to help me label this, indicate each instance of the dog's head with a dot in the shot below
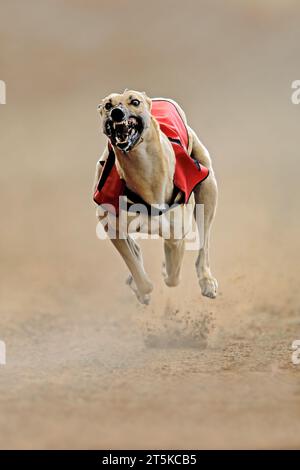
(125, 118)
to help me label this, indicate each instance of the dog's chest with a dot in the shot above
(176, 223)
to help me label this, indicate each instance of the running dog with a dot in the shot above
(155, 158)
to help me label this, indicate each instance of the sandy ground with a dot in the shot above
(86, 366)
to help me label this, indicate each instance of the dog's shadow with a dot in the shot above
(178, 329)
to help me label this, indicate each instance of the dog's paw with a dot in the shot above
(142, 298)
(209, 287)
(169, 280)
(172, 281)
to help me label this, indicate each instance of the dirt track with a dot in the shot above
(86, 366)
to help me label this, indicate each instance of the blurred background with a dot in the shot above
(86, 366)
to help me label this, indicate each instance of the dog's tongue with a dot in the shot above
(121, 132)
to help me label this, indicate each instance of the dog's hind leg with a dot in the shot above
(139, 282)
(205, 193)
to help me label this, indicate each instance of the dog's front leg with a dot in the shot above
(174, 251)
(139, 283)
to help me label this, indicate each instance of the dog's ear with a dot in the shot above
(100, 108)
(148, 100)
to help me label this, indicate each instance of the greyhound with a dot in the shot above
(145, 162)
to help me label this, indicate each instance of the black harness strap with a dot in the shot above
(146, 208)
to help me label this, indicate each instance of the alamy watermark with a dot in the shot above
(2, 353)
(296, 352)
(2, 92)
(295, 97)
(2, 344)
(152, 222)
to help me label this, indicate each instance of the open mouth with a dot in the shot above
(124, 134)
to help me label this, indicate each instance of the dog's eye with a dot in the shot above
(108, 106)
(135, 102)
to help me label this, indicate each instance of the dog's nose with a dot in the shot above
(117, 114)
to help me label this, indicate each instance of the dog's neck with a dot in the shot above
(148, 169)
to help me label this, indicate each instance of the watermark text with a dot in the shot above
(175, 222)
(2, 353)
(295, 97)
(296, 353)
(2, 92)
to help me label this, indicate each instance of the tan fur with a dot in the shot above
(148, 170)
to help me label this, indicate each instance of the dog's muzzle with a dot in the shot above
(123, 130)
(117, 114)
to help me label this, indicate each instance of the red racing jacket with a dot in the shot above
(188, 172)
